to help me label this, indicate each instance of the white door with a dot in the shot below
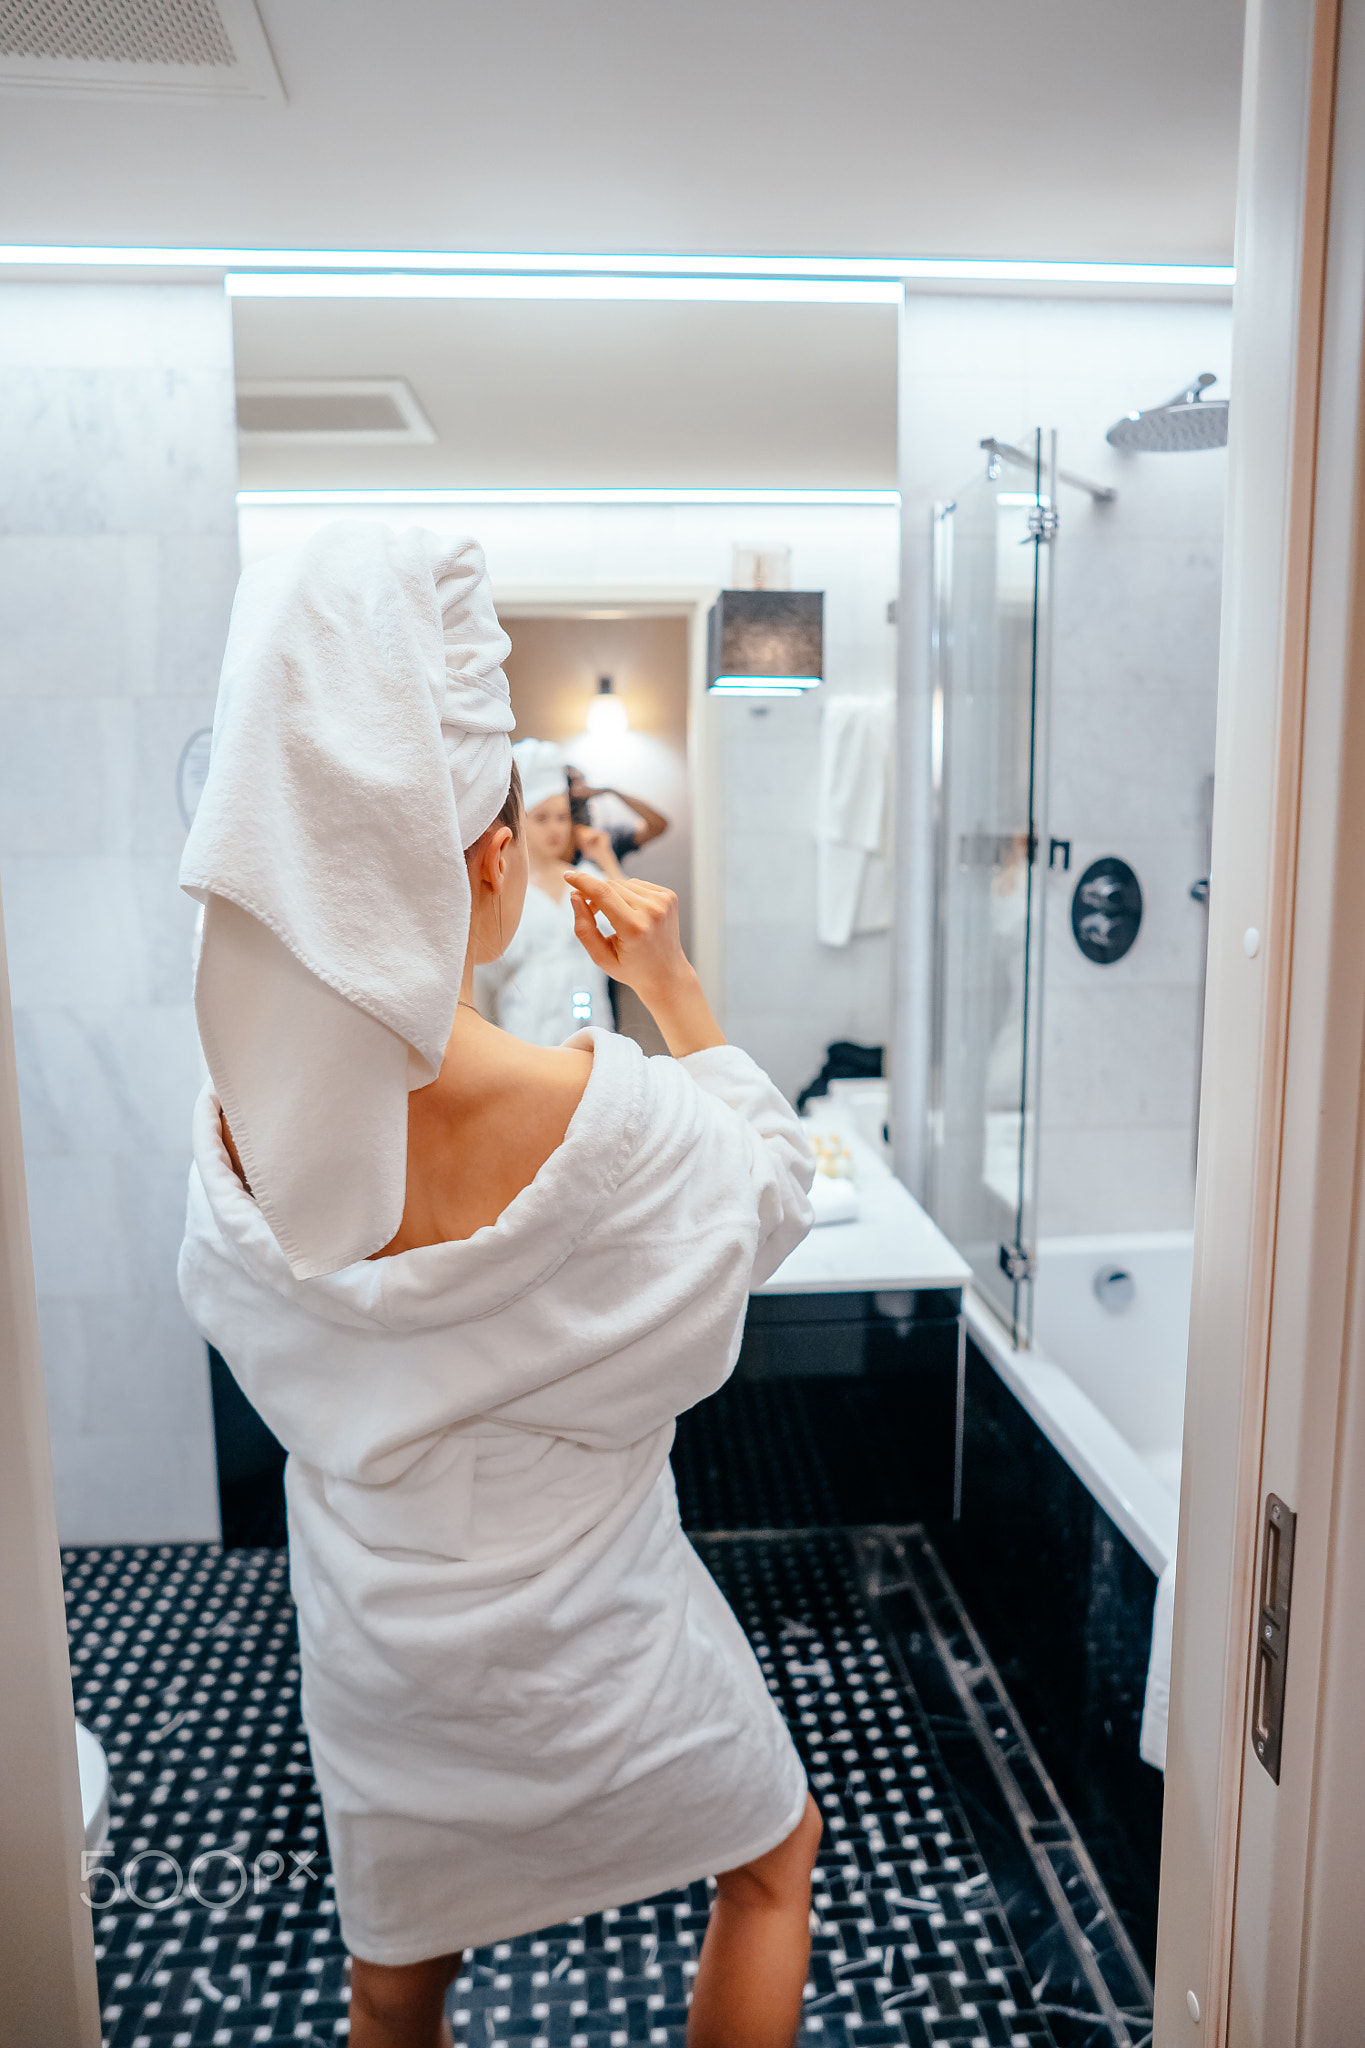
(1261, 1910)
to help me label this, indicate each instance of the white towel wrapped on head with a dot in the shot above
(541, 765)
(360, 743)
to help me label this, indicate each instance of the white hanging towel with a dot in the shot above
(853, 818)
(1156, 1706)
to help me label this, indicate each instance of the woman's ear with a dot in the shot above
(493, 860)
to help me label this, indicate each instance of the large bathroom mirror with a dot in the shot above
(623, 463)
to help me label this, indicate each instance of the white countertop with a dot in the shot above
(891, 1245)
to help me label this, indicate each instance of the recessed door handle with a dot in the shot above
(1272, 1633)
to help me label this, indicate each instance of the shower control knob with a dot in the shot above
(1106, 910)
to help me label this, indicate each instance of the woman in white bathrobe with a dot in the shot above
(544, 986)
(526, 1698)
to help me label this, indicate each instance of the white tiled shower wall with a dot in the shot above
(786, 996)
(118, 556)
(1134, 681)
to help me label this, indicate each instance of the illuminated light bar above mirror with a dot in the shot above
(559, 265)
(788, 291)
(575, 494)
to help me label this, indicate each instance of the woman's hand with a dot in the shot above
(645, 952)
(596, 844)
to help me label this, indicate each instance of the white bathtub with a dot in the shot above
(1106, 1384)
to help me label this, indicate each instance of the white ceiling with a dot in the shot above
(1063, 128)
(573, 394)
(1071, 129)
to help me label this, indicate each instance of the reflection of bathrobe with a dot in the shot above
(526, 1697)
(531, 991)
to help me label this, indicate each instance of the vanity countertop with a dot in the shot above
(891, 1245)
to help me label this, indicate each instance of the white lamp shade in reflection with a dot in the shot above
(607, 717)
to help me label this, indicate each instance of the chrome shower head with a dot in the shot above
(1189, 420)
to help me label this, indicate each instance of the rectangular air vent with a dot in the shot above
(204, 48)
(314, 410)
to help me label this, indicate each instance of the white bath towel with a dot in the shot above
(526, 1698)
(1156, 1705)
(360, 742)
(853, 818)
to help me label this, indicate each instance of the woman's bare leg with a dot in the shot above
(748, 1987)
(402, 2007)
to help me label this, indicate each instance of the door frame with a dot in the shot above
(1255, 1948)
(48, 1940)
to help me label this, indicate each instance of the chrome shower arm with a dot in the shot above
(1103, 494)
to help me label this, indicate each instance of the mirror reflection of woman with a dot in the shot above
(650, 824)
(470, 1282)
(545, 987)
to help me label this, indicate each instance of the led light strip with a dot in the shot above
(311, 284)
(591, 494)
(550, 265)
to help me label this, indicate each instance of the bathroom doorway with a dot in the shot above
(639, 750)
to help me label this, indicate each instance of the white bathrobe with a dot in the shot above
(539, 988)
(526, 1697)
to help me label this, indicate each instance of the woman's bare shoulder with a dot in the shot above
(482, 1134)
(556, 1073)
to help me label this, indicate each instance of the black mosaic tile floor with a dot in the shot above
(936, 1920)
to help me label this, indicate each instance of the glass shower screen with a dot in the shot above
(991, 635)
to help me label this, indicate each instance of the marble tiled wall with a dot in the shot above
(786, 992)
(118, 558)
(1135, 674)
(786, 997)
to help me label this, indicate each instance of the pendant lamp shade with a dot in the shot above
(766, 643)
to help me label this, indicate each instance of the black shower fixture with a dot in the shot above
(1106, 910)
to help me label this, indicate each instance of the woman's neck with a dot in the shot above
(548, 875)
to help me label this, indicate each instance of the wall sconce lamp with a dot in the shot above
(765, 643)
(607, 715)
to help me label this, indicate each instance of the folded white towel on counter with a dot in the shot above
(853, 818)
(360, 743)
(834, 1201)
(1156, 1706)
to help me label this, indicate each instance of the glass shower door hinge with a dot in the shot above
(1015, 1263)
(1042, 522)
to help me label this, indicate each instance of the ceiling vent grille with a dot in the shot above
(115, 31)
(315, 410)
(214, 48)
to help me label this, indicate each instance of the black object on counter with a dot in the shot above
(844, 1061)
